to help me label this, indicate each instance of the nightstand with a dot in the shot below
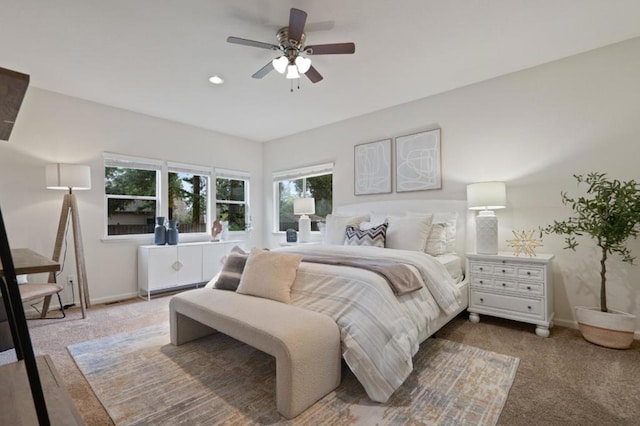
(512, 287)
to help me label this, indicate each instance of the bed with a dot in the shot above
(381, 323)
(381, 331)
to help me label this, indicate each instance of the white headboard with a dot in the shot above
(415, 206)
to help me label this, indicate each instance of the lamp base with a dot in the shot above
(486, 233)
(304, 229)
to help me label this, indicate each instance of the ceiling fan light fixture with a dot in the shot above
(303, 64)
(292, 72)
(280, 64)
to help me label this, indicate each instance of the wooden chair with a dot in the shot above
(33, 291)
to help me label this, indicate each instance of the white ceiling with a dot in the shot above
(155, 56)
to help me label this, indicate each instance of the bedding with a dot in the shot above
(380, 331)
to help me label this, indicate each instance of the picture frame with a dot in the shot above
(418, 166)
(372, 168)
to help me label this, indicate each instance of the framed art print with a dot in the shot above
(372, 168)
(418, 161)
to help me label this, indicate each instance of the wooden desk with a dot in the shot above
(17, 391)
(27, 261)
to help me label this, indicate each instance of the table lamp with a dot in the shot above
(304, 207)
(486, 197)
(69, 177)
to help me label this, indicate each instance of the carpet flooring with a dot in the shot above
(141, 378)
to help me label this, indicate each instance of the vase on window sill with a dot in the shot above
(160, 232)
(224, 235)
(172, 232)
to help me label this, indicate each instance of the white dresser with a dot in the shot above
(513, 287)
(163, 268)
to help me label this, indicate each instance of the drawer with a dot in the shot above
(505, 284)
(480, 268)
(531, 288)
(481, 281)
(531, 273)
(504, 270)
(508, 304)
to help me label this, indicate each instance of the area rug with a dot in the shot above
(141, 378)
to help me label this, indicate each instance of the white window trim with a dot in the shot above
(162, 203)
(237, 175)
(293, 174)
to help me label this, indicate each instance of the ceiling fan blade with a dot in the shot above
(263, 71)
(330, 49)
(252, 43)
(313, 75)
(297, 19)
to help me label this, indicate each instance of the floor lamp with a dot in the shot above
(69, 177)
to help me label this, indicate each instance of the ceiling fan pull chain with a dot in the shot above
(291, 86)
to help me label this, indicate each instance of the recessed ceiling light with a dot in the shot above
(216, 79)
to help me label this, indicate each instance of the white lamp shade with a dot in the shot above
(280, 64)
(303, 64)
(68, 176)
(292, 72)
(304, 206)
(487, 196)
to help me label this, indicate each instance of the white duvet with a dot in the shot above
(380, 332)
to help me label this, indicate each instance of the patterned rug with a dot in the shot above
(141, 378)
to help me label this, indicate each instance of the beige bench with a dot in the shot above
(306, 344)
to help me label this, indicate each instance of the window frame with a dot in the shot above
(295, 174)
(219, 173)
(162, 169)
(124, 161)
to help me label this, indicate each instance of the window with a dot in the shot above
(131, 195)
(138, 190)
(314, 181)
(232, 195)
(188, 197)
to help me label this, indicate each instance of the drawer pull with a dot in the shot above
(528, 287)
(504, 284)
(528, 273)
(481, 299)
(481, 282)
(480, 268)
(503, 271)
(529, 307)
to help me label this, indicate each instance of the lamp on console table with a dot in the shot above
(486, 197)
(304, 207)
(69, 177)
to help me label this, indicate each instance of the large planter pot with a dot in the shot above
(611, 329)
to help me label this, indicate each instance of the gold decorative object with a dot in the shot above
(524, 243)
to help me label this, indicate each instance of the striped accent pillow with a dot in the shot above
(375, 236)
(229, 277)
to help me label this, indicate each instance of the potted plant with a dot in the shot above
(610, 214)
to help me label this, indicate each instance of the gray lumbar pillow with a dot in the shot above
(231, 273)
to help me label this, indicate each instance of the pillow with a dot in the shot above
(269, 274)
(231, 273)
(408, 232)
(336, 226)
(374, 236)
(437, 241)
(450, 219)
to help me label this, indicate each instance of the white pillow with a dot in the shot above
(450, 219)
(437, 241)
(269, 274)
(336, 226)
(408, 232)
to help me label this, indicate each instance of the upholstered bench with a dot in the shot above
(306, 344)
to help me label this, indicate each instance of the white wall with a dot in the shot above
(533, 129)
(54, 128)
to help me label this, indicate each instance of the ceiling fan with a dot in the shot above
(291, 43)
